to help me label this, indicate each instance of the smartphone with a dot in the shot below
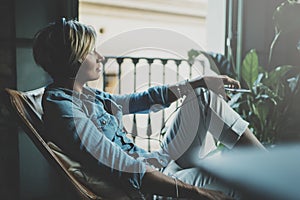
(238, 90)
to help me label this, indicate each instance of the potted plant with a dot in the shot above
(274, 89)
(269, 102)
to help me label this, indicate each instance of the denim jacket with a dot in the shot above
(89, 128)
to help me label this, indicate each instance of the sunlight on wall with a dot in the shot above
(110, 18)
(150, 28)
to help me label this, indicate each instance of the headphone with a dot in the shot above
(61, 37)
(61, 26)
(61, 31)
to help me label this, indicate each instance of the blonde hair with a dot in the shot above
(82, 39)
(58, 47)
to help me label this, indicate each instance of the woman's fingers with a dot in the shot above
(218, 84)
(214, 195)
(230, 82)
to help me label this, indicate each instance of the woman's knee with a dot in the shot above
(202, 95)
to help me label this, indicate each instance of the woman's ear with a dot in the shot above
(80, 60)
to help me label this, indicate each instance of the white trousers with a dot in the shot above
(203, 119)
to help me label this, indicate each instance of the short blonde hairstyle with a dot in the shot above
(58, 47)
(82, 39)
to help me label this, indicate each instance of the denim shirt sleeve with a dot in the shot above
(80, 133)
(153, 99)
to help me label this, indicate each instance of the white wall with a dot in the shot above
(114, 17)
(216, 25)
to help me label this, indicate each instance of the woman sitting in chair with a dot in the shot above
(87, 123)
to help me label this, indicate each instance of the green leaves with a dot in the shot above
(286, 16)
(266, 105)
(192, 54)
(277, 74)
(250, 68)
(271, 94)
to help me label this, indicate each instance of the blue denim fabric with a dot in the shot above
(88, 127)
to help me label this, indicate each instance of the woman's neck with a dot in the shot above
(72, 84)
(78, 86)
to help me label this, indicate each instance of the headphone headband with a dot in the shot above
(61, 25)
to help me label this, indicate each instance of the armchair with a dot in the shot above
(27, 109)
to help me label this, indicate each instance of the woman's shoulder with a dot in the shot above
(52, 91)
(58, 95)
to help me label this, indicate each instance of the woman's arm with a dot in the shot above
(155, 182)
(160, 97)
(214, 83)
(84, 139)
(153, 99)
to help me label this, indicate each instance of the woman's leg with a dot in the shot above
(194, 176)
(203, 116)
(188, 130)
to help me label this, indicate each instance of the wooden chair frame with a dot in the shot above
(26, 107)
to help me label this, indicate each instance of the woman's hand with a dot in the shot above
(155, 182)
(215, 83)
(207, 194)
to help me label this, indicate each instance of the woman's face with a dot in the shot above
(91, 67)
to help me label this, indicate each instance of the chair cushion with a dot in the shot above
(102, 188)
